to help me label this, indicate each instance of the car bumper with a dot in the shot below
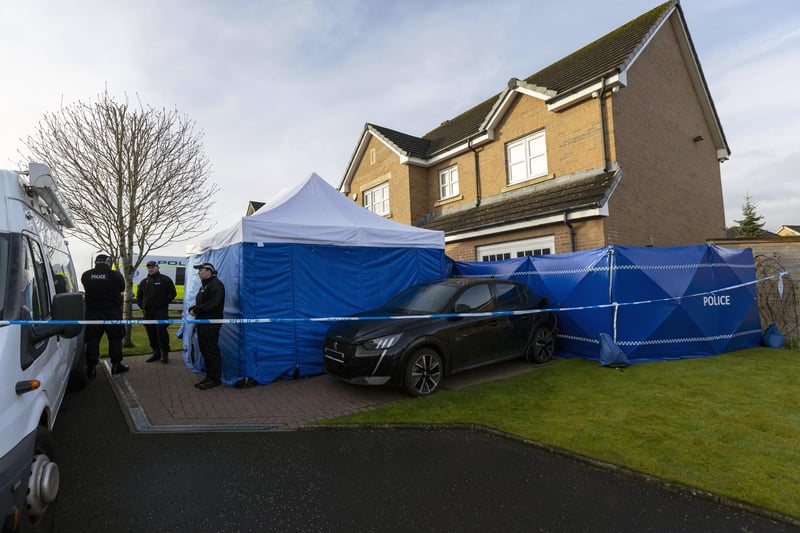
(379, 369)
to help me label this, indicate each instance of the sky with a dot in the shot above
(281, 89)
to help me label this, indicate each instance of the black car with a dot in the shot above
(417, 352)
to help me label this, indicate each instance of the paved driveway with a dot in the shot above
(158, 397)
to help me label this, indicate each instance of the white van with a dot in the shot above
(37, 283)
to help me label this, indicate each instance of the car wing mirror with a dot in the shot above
(463, 308)
(544, 303)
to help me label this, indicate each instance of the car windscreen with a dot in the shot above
(422, 299)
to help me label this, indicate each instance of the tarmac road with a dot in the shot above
(347, 480)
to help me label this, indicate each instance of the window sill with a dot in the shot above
(530, 181)
(449, 200)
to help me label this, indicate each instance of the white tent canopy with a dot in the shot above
(316, 213)
(310, 252)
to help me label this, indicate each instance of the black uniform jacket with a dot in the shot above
(210, 301)
(103, 290)
(156, 291)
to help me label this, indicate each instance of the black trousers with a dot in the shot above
(115, 333)
(157, 334)
(208, 340)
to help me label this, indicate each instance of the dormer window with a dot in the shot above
(527, 158)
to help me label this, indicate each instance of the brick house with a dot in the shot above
(618, 143)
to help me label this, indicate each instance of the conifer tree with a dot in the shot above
(751, 225)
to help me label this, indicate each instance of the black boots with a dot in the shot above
(159, 355)
(119, 368)
(208, 383)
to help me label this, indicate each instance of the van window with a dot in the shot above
(180, 275)
(36, 287)
(64, 276)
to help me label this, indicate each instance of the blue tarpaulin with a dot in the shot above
(653, 303)
(308, 253)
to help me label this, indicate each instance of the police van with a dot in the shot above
(38, 360)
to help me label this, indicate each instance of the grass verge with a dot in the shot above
(729, 425)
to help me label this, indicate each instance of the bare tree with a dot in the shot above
(135, 178)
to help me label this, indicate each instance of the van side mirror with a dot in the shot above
(69, 306)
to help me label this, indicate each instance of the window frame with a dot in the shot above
(369, 202)
(531, 161)
(447, 184)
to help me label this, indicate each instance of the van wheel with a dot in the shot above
(43, 485)
(423, 372)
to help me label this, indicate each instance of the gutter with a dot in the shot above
(599, 96)
(571, 231)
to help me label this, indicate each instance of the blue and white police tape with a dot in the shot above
(614, 305)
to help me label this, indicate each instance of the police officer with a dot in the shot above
(103, 295)
(153, 297)
(210, 303)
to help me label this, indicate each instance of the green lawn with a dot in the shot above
(729, 425)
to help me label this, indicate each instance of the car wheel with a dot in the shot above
(423, 372)
(43, 486)
(540, 349)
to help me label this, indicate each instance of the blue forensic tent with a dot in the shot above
(309, 253)
(653, 303)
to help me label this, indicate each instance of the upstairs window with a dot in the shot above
(448, 182)
(527, 158)
(376, 199)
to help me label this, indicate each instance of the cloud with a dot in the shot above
(283, 89)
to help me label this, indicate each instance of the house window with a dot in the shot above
(448, 182)
(514, 249)
(376, 199)
(527, 158)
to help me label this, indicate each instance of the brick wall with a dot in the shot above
(671, 189)
(386, 166)
(588, 236)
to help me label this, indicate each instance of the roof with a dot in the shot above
(401, 142)
(735, 232)
(611, 54)
(789, 230)
(252, 207)
(567, 193)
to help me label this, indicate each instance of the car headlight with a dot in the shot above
(382, 343)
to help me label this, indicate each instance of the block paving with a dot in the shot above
(162, 398)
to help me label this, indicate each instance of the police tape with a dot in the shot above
(714, 294)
